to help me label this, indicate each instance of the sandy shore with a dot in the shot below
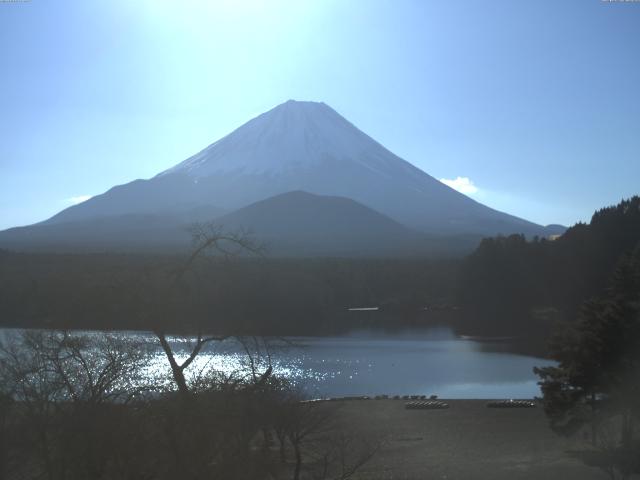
(466, 441)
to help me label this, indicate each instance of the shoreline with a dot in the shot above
(468, 440)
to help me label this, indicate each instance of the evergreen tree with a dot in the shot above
(508, 280)
(597, 379)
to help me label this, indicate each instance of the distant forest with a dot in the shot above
(232, 296)
(510, 286)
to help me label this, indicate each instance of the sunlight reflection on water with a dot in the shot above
(416, 362)
(410, 363)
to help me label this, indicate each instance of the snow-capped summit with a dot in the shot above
(299, 146)
(289, 137)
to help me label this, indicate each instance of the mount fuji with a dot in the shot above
(295, 147)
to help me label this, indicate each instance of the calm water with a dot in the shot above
(422, 362)
(414, 362)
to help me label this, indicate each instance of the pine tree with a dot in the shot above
(597, 379)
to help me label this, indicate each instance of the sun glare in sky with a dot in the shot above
(518, 97)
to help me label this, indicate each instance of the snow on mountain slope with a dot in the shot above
(302, 146)
(291, 136)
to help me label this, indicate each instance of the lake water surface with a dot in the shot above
(416, 362)
(423, 362)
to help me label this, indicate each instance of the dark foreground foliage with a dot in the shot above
(595, 388)
(88, 407)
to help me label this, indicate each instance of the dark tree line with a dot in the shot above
(583, 291)
(510, 285)
(224, 295)
(86, 406)
(79, 406)
(596, 384)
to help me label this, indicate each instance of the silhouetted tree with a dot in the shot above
(208, 239)
(508, 281)
(597, 379)
(72, 400)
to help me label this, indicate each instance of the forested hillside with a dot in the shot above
(241, 295)
(513, 286)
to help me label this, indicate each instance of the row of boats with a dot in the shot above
(420, 402)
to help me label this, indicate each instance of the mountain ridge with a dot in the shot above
(301, 146)
(293, 224)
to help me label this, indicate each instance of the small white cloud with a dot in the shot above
(78, 199)
(461, 184)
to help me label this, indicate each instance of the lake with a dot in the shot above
(416, 362)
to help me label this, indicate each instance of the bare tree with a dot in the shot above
(71, 394)
(209, 240)
(5, 409)
(305, 421)
(342, 455)
(321, 448)
(177, 369)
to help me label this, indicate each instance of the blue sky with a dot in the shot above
(532, 107)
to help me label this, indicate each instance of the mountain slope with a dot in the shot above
(138, 232)
(300, 223)
(303, 146)
(292, 224)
